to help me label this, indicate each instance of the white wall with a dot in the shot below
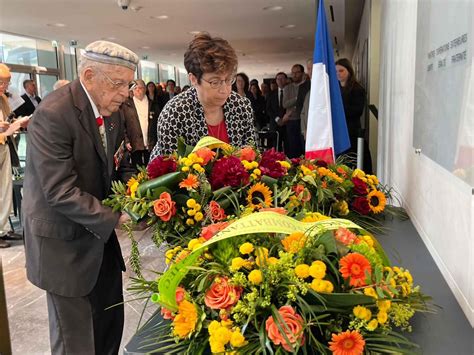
(440, 205)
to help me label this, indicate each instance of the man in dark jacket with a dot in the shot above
(275, 111)
(141, 117)
(71, 247)
(31, 99)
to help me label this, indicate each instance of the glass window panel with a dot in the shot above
(167, 73)
(46, 83)
(47, 56)
(18, 50)
(183, 77)
(149, 71)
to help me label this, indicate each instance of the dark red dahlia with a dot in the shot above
(269, 164)
(295, 161)
(228, 171)
(160, 166)
(361, 205)
(360, 187)
(321, 163)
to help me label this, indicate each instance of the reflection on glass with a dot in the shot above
(46, 83)
(47, 56)
(18, 50)
(183, 77)
(149, 71)
(166, 72)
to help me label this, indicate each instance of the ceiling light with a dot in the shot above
(159, 17)
(136, 8)
(273, 8)
(111, 38)
(56, 25)
(194, 32)
(145, 47)
(288, 26)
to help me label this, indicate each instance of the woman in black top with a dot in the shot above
(354, 100)
(258, 105)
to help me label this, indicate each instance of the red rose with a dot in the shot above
(361, 205)
(360, 187)
(269, 164)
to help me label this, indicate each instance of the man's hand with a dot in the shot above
(128, 146)
(4, 126)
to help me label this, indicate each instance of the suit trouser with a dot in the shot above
(294, 140)
(6, 191)
(82, 325)
(140, 158)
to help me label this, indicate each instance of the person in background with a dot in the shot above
(141, 115)
(161, 96)
(170, 88)
(185, 87)
(177, 90)
(31, 99)
(265, 90)
(305, 108)
(71, 248)
(276, 111)
(292, 119)
(273, 85)
(151, 93)
(60, 83)
(354, 100)
(241, 85)
(258, 104)
(210, 107)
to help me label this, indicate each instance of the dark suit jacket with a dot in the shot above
(68, 173)
(27, 108)
(273, 109)
(133, 130)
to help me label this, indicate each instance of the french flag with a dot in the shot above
(326, 133)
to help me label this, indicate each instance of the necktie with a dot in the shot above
(281, 99)
(100, 124)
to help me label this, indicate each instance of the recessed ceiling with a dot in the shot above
(257, 29)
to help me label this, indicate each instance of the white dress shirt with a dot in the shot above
(142, 111)
(103, 136)
(33, 100)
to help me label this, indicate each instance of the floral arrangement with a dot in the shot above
(268, 283)
(208, 185)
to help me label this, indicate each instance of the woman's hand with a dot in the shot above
(4, 126)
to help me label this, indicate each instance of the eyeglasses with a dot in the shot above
(118, 85)
(216, 83)
(4, 83)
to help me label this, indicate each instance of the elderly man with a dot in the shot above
(72, 250)
(141, 118)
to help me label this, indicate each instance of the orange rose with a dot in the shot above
(221, 295)
(302, 193)
(165, 207)
(247, 153)
(216, 212)
(211, 230)
(206, 154)
(293, 328)
(279, 210)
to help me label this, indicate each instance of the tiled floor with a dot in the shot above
(26, 304)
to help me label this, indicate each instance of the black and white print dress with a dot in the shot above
(183, 116)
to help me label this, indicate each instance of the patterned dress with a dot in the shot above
(183, 116)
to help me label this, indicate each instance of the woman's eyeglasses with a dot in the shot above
(216, 83)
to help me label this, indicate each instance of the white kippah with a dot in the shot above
(111, 53)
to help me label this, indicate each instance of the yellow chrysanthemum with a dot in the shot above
(362, 313)
(368, 239)
(382, 317)
(369, 291)
(372, 325)
(185, 321)
(237, 340)
(360, 174)
(294, 242)
(314, 217)
(302, 271)
(384, 305)
(246, 248)
(317, 269)
(322, 286)
(255, 277)
(213, 327)
(259, 196)
(341, 207)
(377, 201)
(238, 263)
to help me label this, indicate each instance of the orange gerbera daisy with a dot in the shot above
(353, 266)
(191, 182)
(347, 343)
